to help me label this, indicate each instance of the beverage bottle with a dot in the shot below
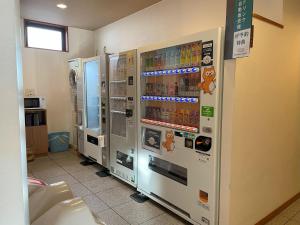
(182, 56)
(167, 117)
(186, 117)
(163, 58)
(176, 89)
(172, 63)
(177, 57)
(181, 114)
(151, 61)
(159, 60)
(145, 61)
(181, 87)
(155, 60)
(168, 58)
(163, 114)
(194, 54)
(199, 53)
(188, 56)
(171, 89)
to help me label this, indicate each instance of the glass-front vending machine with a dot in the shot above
(180, 87)
(123, 125)
(95, 146)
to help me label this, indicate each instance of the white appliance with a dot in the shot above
(123, 125)
(34, 102)
(96, 145)
(180, 89)
(76, 84)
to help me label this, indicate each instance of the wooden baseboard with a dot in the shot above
(277, 211)
(264, 19)
(40, 155)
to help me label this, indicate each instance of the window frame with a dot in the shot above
(48, 26)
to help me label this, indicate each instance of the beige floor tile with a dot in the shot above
(58, 155)
(49, 172)
(79, 190)
(67, 178)
(94, 168)
(165, 219)
(295, 206)
(109, 217)
(279, 220)
(67, 161)
(101, 184)
(137, 213)
(116, 196)
(94, 203)
(289, 212)
(40, 163)
(297, 217)
(293, 222)
(75, 168)
(85, 176)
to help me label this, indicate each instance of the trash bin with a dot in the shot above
(58, 141)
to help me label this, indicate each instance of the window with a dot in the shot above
(45, 36)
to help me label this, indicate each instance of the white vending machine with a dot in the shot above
(123, 125)
(95, 101)
(180, 89)
(76, 84)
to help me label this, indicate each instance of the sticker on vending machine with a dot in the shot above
(169, 143)
(203, 199)
(208, 83)
(207, 53)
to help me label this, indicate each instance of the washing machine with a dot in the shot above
(77, 94)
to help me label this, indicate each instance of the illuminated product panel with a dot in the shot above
(170, 87)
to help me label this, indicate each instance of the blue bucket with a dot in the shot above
(58, 141)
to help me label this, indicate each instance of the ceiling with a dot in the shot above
(85, 14)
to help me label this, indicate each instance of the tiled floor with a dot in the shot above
(290, 216)
(107, 197)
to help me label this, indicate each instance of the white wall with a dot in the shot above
(47, 73)
(265, 158)
(271, 9)
(13, 188)
(169, 20)
(163, 21)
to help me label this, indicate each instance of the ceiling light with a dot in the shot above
(62, 6)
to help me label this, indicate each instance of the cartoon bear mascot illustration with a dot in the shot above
(209, 78)
(168, 144)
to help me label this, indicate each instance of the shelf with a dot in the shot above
(119, 98)
(170, 99)
(171, 72)
(118, 112)
(170, 125)
(118, 81)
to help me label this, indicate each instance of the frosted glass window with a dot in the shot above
(45, 36)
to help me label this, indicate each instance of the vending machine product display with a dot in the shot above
(123, 126)
(95, 101)
(180, 87)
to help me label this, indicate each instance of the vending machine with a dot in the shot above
(123, 125)
(95, 101)
(180, 88)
